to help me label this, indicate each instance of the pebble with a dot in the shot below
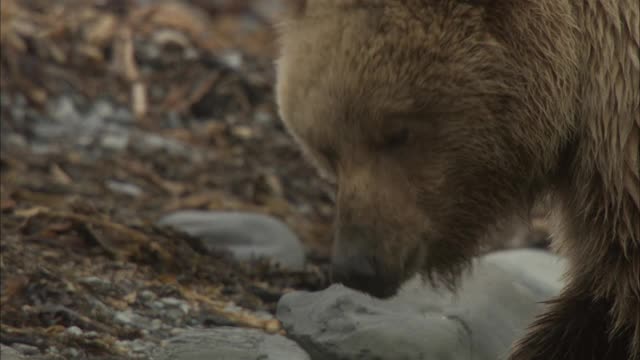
(53, 351)
(125, 317)
(156, 305)
(171, 301)
(147, 295)
(137, 348)
(177, 331)
(232, 59)
(128, 317)
(91, 334)
(63, 110)
(25, 349)
(140, 346)
(246, 235)
(95, 282)
(263, 117)
(73, 353)
(175, 315)
(491, 309)
(115, 142)
(124, 188)
(74, 330)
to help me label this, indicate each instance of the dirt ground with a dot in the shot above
(115, 113)
(78, 244)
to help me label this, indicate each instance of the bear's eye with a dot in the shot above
(396, 138)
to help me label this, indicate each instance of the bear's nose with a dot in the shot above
(360, 273)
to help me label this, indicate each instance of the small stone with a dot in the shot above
(263, 117)
(116, 142)
(156, 324)
(140, 346)
(73, 353)
(174, 314)
(156, 305)
(171, 301)
(63, 110)
(128, 317)
(102, 109)
(246, 235)
(147, 295)
(121, 346)
(232, 59)
(27, 350)
(74, 330)
(177, 331)
(52, 350)
(184, 307)
(124, 188)
(124, 317)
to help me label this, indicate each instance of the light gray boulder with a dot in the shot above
(245, 235)
(491, 309)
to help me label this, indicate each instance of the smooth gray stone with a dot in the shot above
(246, 235)
(7, 353)
(493, 306)
(229, 343)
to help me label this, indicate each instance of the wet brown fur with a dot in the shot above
(504, 102)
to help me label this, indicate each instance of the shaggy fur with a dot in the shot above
(439, 120)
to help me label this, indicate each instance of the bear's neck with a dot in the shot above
(601, 183)
(607, 167)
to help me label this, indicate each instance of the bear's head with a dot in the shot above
(433, 118)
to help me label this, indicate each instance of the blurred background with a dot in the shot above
(119, 115)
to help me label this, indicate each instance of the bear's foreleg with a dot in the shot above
(575, 326)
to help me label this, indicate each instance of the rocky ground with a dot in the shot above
(150, 197)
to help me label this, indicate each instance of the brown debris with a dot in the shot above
(79, 251)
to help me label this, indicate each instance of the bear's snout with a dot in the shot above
(356, 265)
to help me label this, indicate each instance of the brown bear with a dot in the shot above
(440, 120)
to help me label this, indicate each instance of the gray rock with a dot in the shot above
(97, 284)
(246, 235)
(115, 142)
(129, 189)
(136, 348)
(491, 309)
(229, 343)
(147, 295)
(128, 317)
(72, 353)
(26, 350)
(74, 331)
(7, 353)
